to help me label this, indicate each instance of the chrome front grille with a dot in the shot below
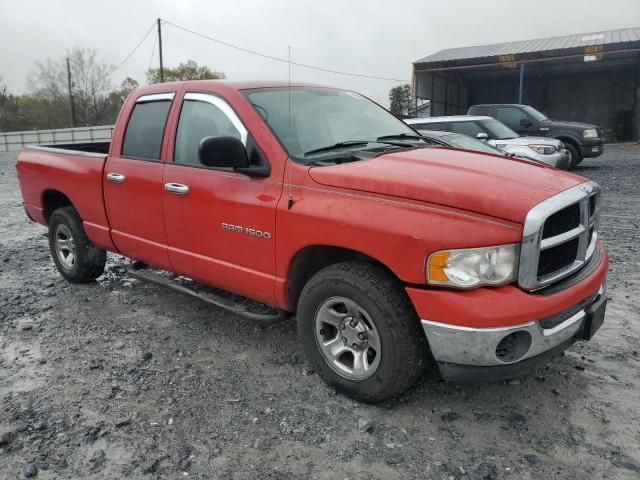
(559, 236)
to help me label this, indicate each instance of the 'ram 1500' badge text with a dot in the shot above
(252, 232)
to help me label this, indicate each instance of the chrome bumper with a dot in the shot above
(476, 347)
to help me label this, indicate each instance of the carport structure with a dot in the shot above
(591, 77)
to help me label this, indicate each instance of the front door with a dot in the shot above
(517, 120)
(133, 184)
(220, 224)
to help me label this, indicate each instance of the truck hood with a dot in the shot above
(491, 185)
(567, 124)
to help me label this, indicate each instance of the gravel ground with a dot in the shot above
(122, 379)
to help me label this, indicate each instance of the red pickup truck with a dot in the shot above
(317, 202)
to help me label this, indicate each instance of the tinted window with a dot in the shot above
(467, 128)
(199, 120)
(511, 116)
(498, 130)
(481, 111)
(430, 126)
(468, 143)
(143, 138)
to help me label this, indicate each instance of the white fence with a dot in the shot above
(12, 141)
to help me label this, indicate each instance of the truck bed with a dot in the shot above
(66, 174)
(90, 147)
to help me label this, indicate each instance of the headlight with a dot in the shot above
(543, 149)
(473, 267)
(590, 133)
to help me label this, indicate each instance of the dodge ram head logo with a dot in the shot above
(252, 232)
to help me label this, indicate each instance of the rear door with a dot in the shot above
(133, 183)
(220, 223)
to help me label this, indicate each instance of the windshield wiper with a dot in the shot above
(348, 143)
(401, 136)
(351, 143)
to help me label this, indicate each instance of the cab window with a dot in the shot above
(143, 137)
(511, 116)
(204, 116)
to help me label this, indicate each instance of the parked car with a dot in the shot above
(383, 246)
(582, 140)
(544, 150)
(458, 140)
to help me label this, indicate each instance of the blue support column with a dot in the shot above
(521, 88)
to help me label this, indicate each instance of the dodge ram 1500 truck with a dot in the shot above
(317, 202)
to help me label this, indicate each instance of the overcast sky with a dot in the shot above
(372, 37)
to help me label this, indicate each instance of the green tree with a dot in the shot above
(189, 70)
(401, 102)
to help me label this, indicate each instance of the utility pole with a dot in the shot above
(160, 50)
(73, 108)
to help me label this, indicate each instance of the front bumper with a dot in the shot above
(475, 354)
(592, 147)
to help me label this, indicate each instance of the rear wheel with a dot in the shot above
(75, 257)
(360, 331)
(574, 155)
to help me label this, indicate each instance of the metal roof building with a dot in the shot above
(591, 77)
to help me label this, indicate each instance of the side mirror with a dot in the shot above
(525, 122)
(222, 152)
(482, 136)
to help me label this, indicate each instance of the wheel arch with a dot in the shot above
(567, 139)
(311, 259)
(52, 200)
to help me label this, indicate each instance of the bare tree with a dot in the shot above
(3, 101)
(91, 85)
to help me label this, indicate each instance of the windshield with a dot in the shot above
(498, 130)
(313, 122)
(468, 143)
(535, 113)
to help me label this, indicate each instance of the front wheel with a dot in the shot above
(574, 156)
(360, 331)
(75, 257)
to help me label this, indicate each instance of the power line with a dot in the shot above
(134, 49)
(279, 59)
(153, 50)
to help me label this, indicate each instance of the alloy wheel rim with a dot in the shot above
(347, 338)
(65, 246)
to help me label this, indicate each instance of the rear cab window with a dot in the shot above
(145, 129)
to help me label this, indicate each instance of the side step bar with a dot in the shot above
(211, 298)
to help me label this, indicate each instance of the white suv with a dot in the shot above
(541, 149)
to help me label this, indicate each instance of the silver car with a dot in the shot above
(540, 149)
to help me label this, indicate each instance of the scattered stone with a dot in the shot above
(532, 459)
(364, 424)
(26, 326)
(30, 470)
(6, 438)
(121, 422)
(485, 471)
(555, 391)
(307, 371)
(146, 356)
(394, 459)
(450, 417)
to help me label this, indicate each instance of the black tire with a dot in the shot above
(575, 159)
(402, 342)
(88, 262)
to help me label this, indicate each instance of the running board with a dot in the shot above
(211, 298)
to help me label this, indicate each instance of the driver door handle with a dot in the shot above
(176, 188)
(115, 177)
